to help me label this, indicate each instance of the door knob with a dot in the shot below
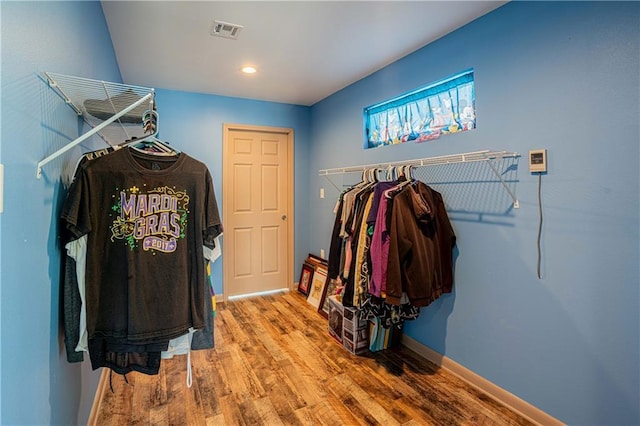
(284, 217)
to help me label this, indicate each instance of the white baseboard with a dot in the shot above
(220, 298)
(98, 397)
(504, 397)
(261, 293)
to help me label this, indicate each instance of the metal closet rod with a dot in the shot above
(466, 157)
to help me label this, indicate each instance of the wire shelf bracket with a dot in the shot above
(107, 107)
(486, 156)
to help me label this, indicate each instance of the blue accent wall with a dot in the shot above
(193, 123)
(38, 385)
(564, 76)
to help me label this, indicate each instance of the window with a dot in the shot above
(423, 114)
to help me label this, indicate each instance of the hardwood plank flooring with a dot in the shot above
(275, 364)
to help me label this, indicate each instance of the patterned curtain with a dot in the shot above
(424, 114)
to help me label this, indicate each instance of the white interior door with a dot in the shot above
(257, 209)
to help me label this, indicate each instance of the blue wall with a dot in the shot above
(193, 123)
(564, 76)
(38, 385)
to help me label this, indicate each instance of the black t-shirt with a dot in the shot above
(146, 218)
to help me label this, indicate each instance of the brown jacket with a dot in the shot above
(421, 244)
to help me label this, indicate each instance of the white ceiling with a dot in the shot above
(304, 50)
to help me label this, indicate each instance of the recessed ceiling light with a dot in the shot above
(249, 70)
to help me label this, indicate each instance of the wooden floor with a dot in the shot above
(274, 363)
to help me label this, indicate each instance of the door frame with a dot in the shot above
(226, 203)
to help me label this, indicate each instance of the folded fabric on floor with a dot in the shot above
(104, 109)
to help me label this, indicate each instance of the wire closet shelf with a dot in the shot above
(468, 157)
(114, 111)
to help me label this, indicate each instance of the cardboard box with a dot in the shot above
(347, 328)
(355, 332)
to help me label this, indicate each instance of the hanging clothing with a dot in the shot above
(394, 247)
(379, 239)
(75, 324)
(420, 246)
(335, 248)
(361, 270)
(350, 273)
(72, 307)
(146, 218)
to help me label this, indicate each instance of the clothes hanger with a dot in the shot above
(150, 144)
(402, 172)
(391, 173)
(371, 177)
(408, 172)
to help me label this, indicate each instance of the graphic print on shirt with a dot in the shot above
(156, 218)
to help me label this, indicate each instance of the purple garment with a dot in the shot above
(377, 193)
(379, 250)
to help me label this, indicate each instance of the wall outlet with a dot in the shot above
(321, 192)
(322, 253)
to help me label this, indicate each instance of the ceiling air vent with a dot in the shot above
(225, 29)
